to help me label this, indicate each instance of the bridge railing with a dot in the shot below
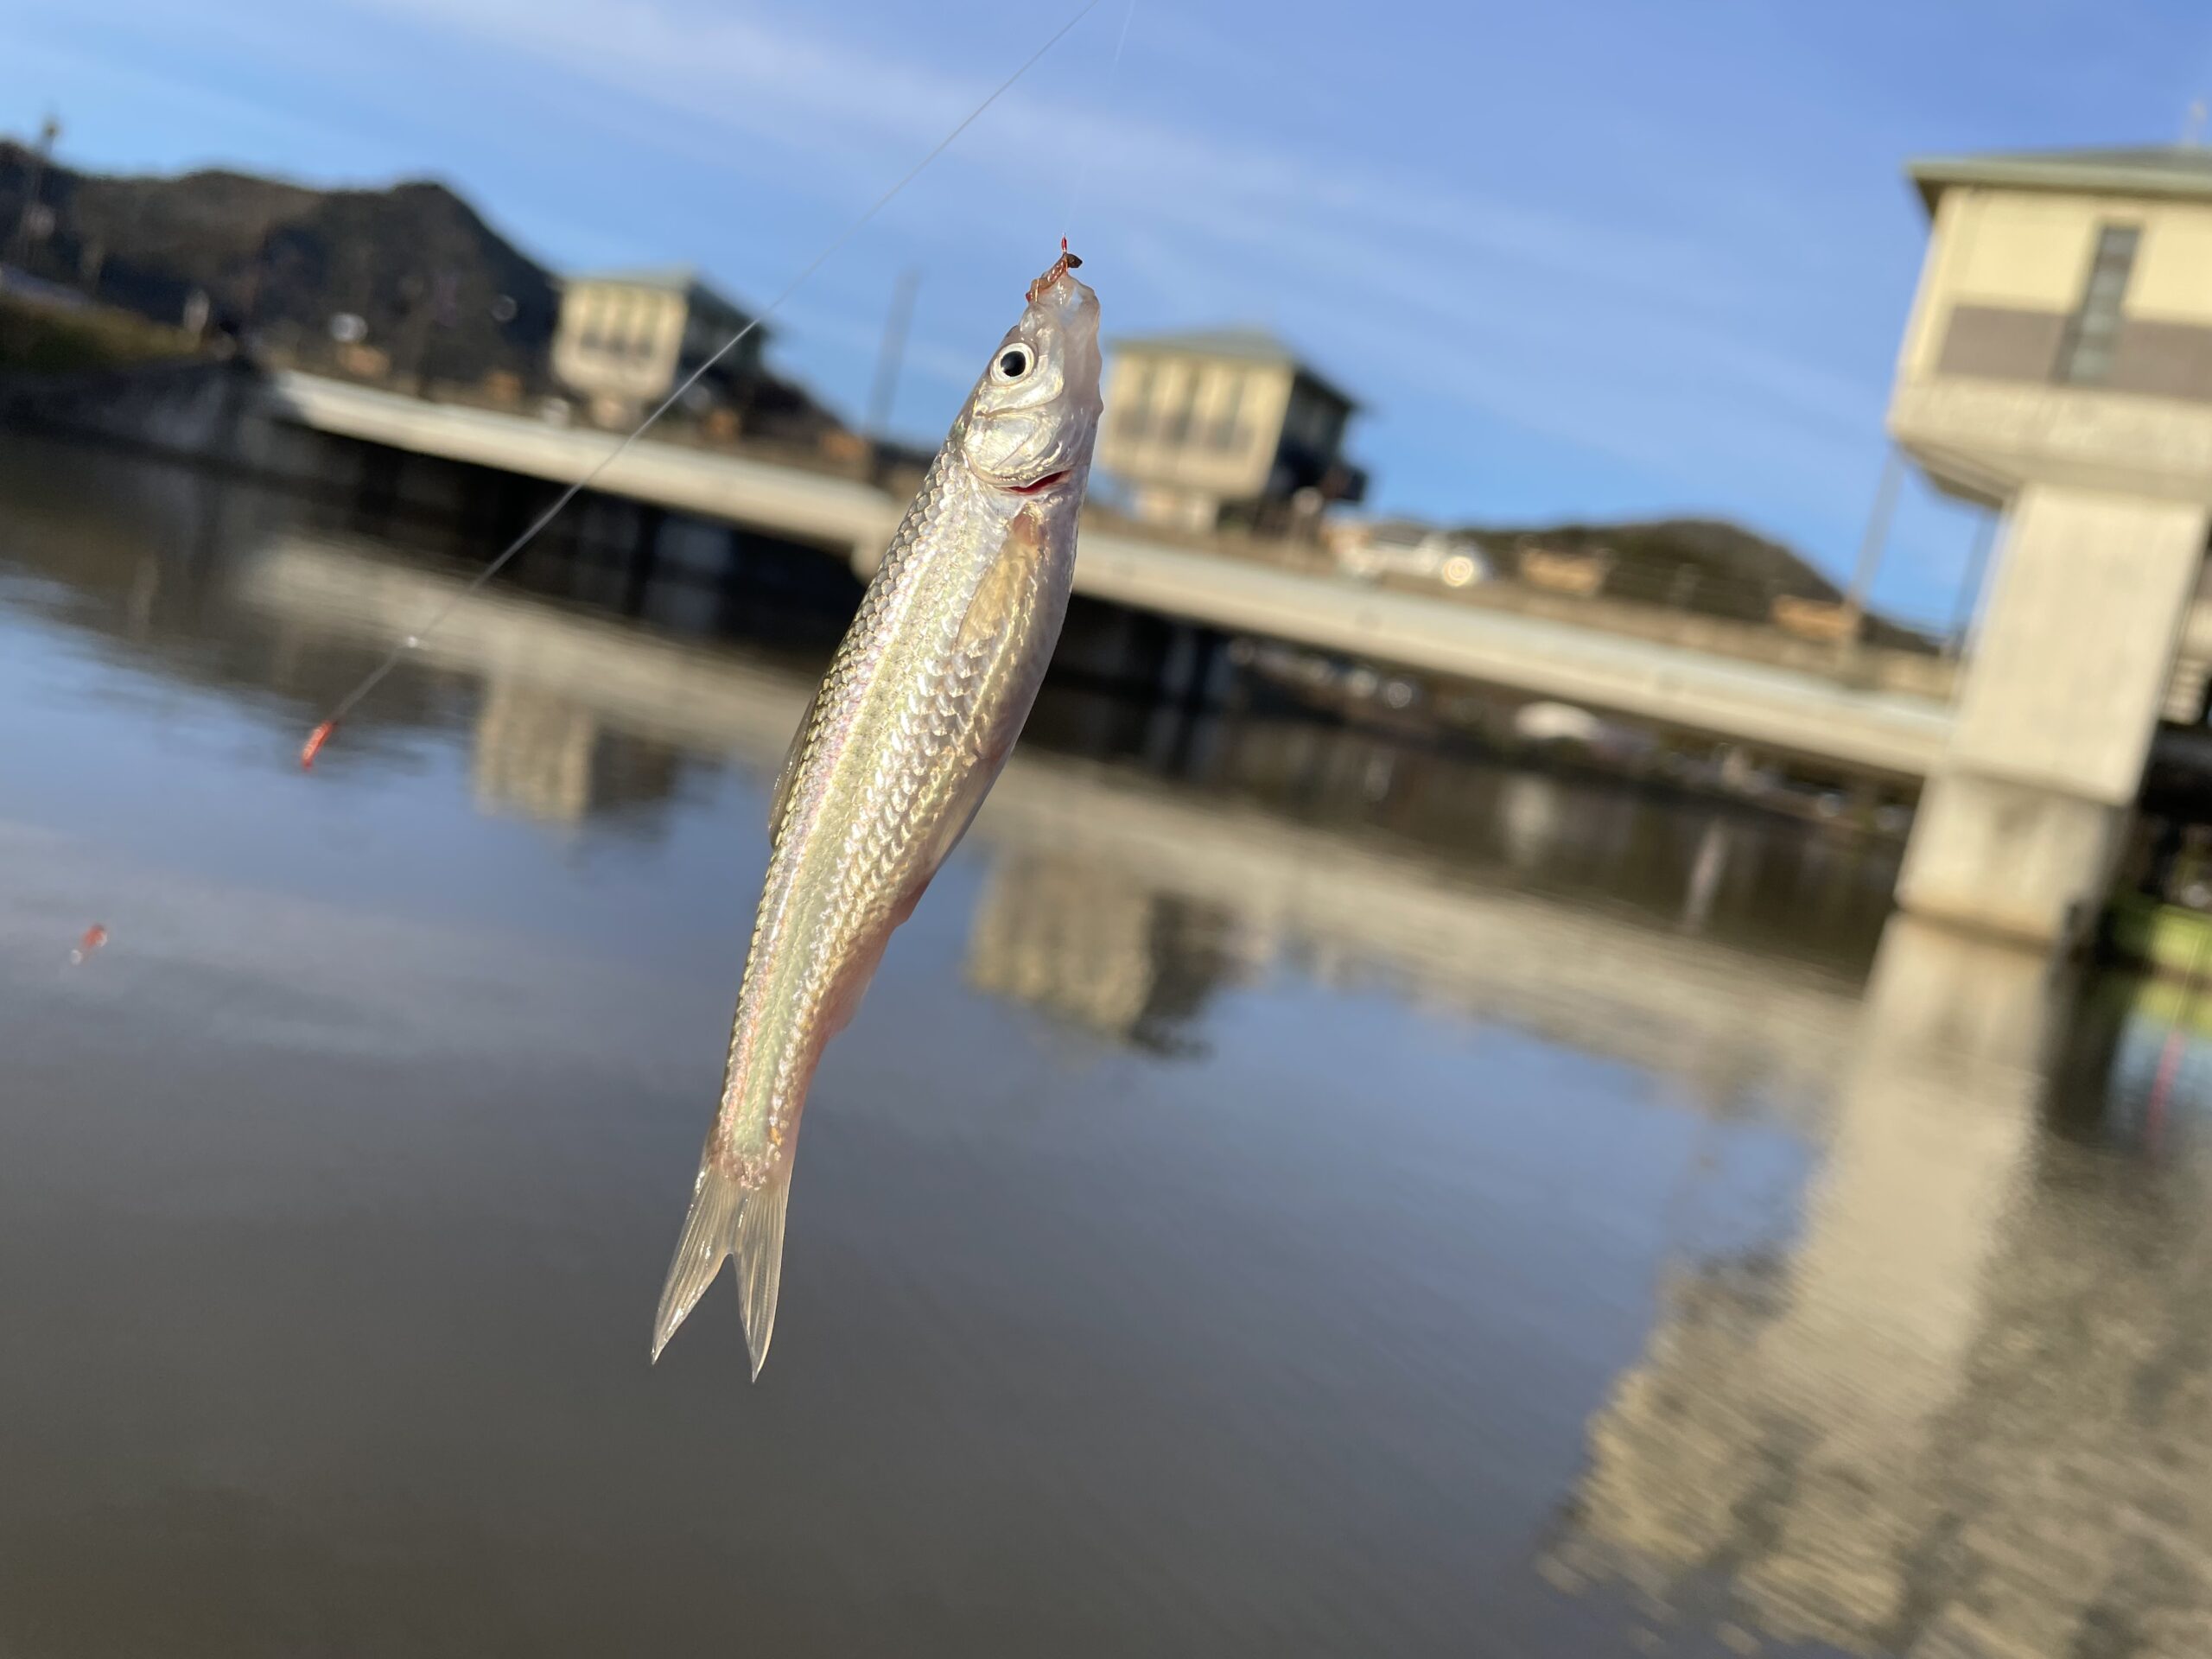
(1645, 599)
(751, 435)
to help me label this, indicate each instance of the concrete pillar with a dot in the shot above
(2019, 832)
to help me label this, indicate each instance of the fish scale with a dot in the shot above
(912, 723)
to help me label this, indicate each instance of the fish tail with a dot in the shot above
(727, 1219)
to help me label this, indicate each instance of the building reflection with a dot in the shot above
(1967, 1412)
(541, 754)
(533, 754)
(1100, 947)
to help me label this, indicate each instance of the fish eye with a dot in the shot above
(1012, 363)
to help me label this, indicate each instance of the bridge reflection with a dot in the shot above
(1172, 875)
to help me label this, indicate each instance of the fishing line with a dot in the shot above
(375, 677)
(1085, 159)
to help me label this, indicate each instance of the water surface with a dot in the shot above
(1291, 1191)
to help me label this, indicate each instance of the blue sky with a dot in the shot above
(1594, 259)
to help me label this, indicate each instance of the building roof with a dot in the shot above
(2138, 170)
(670, 279)
(676, 279)
(1240, 345)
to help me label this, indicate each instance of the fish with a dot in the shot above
(93, 937)
(902, 741)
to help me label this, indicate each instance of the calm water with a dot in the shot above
(1288, 1192)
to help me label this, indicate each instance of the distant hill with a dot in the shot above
(1700, 564)
(441, 292)
(281, 259)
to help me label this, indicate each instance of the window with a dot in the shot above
(1179, 421)
(2085, 358)
(1134, 416)
(664, 322)
(1226, 433)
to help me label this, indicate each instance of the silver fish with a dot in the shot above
(892, 759)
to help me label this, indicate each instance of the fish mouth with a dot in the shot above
(1040, 486)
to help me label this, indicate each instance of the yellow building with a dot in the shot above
(2058, 365)
(627, 339)
(2088, 269)
(1224, 427)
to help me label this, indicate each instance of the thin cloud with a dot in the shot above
(1209, 220)
(1656, 330)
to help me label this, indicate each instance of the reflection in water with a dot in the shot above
(1101, 947)
(1705, 875)
(1530, 809)
(1968, 1410)
(539, 754)
(1425, 1070)
(534, 753)
(1136, 921)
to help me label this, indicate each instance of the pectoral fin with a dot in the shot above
(780, 802)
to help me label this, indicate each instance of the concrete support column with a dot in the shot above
(2020, 829)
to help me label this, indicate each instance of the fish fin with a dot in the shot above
(729, 1220)
(779, 802)
(846, 996)
(760, 1255)
(852, 985)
